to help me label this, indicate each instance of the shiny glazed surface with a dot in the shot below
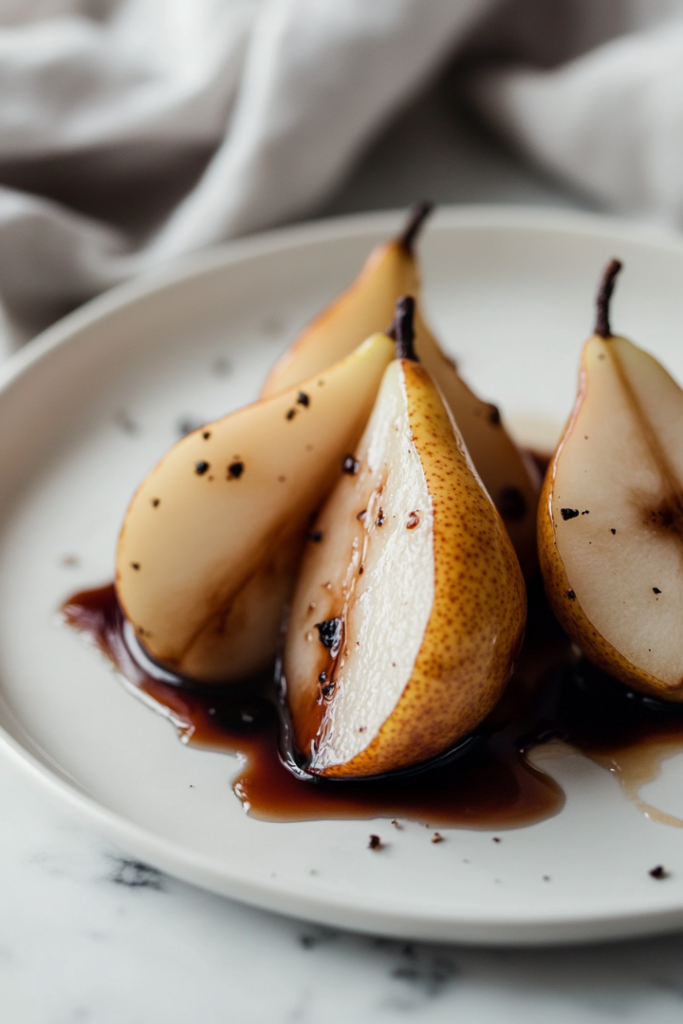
(553, 696)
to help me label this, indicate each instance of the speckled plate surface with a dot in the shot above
(90, 406)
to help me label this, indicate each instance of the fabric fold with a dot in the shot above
(609, 123)
(134, 131)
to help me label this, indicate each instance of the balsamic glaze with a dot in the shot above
(554, 694)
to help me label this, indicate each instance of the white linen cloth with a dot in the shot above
(132, 131)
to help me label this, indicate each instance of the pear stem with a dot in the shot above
(602, 324)
(402, 329)
(417, 215)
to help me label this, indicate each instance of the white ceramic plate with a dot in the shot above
(89, 407)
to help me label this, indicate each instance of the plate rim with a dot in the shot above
(488, 927)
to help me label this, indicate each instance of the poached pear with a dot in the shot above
(367, 305)
(610, 528)
(208, 552)
(410, 606)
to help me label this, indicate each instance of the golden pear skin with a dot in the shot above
(610, 528)
(367, 305)
(410, 605)
(209, 548)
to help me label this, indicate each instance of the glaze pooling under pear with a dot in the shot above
(494, 785)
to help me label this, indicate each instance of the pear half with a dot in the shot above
(210, 545)
(367, 305)
(410, 605)
(610, 525)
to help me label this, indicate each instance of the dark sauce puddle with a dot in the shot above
(553, 695)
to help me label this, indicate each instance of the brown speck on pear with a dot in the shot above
(330, 633)
(156, 502)
(290, 414)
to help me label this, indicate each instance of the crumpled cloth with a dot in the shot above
(133, 131)
(609, 122)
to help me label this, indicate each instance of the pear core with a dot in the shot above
(611, 525)
(415, 569)
(379, 635)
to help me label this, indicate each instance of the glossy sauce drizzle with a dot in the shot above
(554, 695)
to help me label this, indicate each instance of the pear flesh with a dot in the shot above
(391, 271)
(611, 522)
(210, 545)
(410, 604)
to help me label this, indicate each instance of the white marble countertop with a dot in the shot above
(89, 935)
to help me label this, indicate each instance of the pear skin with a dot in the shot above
(410, 605)
(210, 544)
(363, 308)
(367, 305)
(610, 527)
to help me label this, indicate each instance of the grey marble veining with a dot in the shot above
(87, 934)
